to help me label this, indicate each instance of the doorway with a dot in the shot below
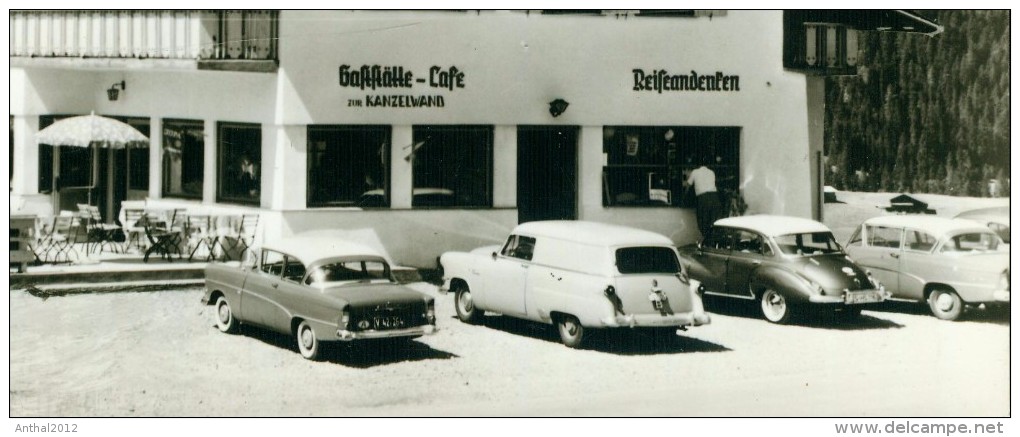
(546, 173)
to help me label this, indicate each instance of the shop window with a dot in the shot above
(183, 158)
(452, 166)
(137, 155)
(648, 165)
(240, 163)
(348, 166)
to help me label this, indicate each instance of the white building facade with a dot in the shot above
(422, 132)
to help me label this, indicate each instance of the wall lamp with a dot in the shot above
(557, 107)
(114, 92)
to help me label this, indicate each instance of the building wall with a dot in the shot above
(513, 65)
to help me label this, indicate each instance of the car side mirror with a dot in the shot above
(493, 256)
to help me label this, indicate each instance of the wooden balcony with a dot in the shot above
(236, 40)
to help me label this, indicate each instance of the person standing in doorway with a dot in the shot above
(708, 207)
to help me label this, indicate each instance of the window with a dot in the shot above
(46, 159)
(137, 155)
(972, 242)
(183, 158)
(647, 260)
(880, 236)
(920, 240)
(748, 242)
(348, 166)
(352, 270)
(718, 238)
(811, 243)
(273, 262)
(295, 270)
(649, 165)
(240, 163)
(452, 166)
(519, 247)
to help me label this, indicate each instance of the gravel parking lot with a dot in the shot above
(159, 354)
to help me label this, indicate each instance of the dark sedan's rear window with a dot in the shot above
(647, 260)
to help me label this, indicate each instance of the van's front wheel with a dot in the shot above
(467, 312)
(570, 329)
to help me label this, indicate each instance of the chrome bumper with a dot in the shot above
(417, 331)
(817, 298)
(656, 320)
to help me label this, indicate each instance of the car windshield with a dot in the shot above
(972, 242)
(350, 271)
(808, 243)
(647, 260)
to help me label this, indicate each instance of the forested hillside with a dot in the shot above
(925, 115)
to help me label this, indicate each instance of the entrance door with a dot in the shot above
(546, 173)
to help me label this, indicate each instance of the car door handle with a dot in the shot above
(524, 266)
(275, 285)
(894, 255)
(756, 263)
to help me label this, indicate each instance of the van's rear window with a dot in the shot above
(647, 260)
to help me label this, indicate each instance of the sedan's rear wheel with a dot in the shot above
(774, 307)
(225, 320)
(945, 304)
(571, 331)
(307, 343)
(467, 312)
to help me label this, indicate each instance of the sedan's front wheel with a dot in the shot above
(225, 320)
(308, 345)
(774, 307)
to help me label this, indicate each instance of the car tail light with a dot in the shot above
(345, 318)
(1004, 281)
(430, 313)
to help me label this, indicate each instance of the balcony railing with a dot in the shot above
(193, 35)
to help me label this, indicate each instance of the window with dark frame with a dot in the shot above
(239, 163)
(647, 166)
(348, 166)
(452, 166)
(183, 158)
(137, 154)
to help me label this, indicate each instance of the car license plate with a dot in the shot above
(388, 322)
(857, 297)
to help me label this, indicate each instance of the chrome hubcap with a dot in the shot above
(306, 338)
(224, 313)
(465, 302)
(570, 327)
(774, 305)
(944, 302)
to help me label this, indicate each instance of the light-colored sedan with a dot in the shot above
(948, 263)
(997, 219)
(318, 290)
(785, 264)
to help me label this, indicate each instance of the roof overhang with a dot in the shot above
(883, 20)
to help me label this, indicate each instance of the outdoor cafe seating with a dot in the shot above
(169, 233)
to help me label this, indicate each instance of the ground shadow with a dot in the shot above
(993, 314)
(358, 354)
(808, 316)
(621, 341)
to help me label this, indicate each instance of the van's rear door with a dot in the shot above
(649, 283)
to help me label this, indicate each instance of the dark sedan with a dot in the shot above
(786, 264)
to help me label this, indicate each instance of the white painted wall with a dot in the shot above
(514, 64)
